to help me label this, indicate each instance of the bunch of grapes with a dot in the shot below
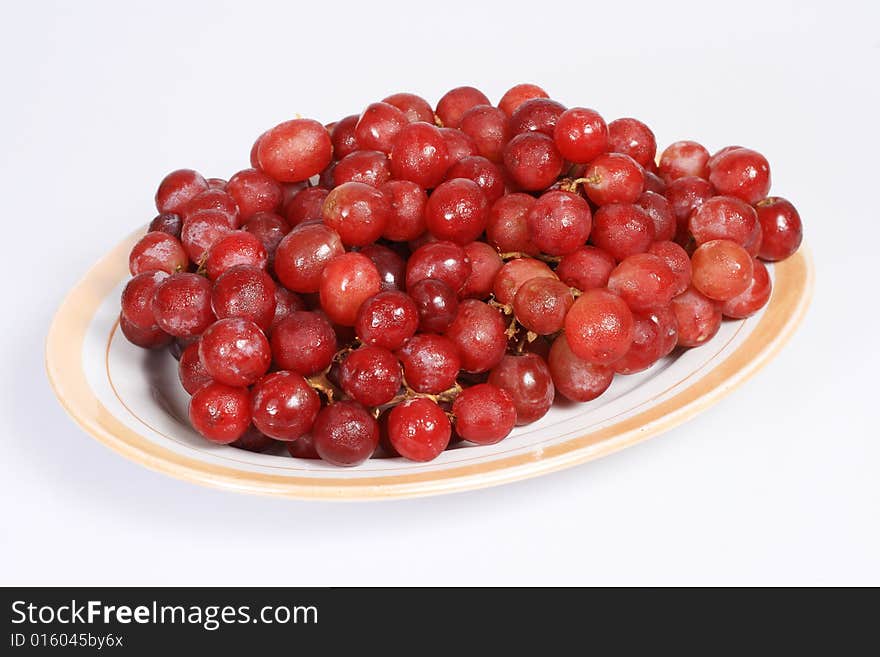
(410, 277)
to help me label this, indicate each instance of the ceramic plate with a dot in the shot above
(131, 400)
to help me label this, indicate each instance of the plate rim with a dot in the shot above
(793, 290)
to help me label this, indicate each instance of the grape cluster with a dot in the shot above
(411, 277)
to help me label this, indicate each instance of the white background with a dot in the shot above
(777, 484)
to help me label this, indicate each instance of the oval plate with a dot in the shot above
(131, 400)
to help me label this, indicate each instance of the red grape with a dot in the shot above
(742, 173)
(368, 167)
(559, 222)
(781, 228)
(456, 102)
(599, 327)
(137, 298)
(457, 211)
(698, 318)
(541, 304)
(581, 135)
(526, 378)
(157, 251)
(622, 230)
(235, 351)
(357, 212)
(485, 265)
(536, 115)
(236, 248)
(378, 126)
(414, 107)
(443, 261)
(614, 178)
(488, 176)
(586, 268)
(418, 429)
(345, 434)
(221, 413)
(430, 363)
(247, 293)
(632, 137)
(370, 375)
(723, 218)
(201, 231)
(295, 150)
(479, 333)
(391, 267)
(722, 269)
(254, 191)
(677, 259)
(387, 320)
(684, 158)
(458, 145)
(302, 255)
(532, 160)
(304, 343)
(507, 228)
(305, 206)
(346, 282)
(437, 304)
(190, 370)
(644, 281)
(517, 95)
(407, 219)
(147, 338)
(516, 272)
(284, 405)
(419, 154)
(655, 334)
(178, 188)
(342, 136)
(575, 378)
(487, 126)
(658, 208)
(484, 414)
(182, 305)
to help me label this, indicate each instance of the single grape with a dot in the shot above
(345, 434)
(137, 299)
(295, 150)
(457, 211)
(698, 318)
(178, 188)
(541, 304)
(575, 378)
(407, 219)
(182, 305)
(370, 375)
(437, 305)
(723, 218)
(157, 251)
(443, 261)
(517, 95)
(166, 222)
(581, 135)
(247, 293)
(478, 332)
(378, 126)
(484, 414)
(357, 212)
(368, 167)
(532, 160)
(418, 429)
(190, 371)
(684, 158)
(303, 447)
(742, 173)
(391, 267)
(347, 281)
(488, 127)
(387, 320)
(485, 265)
(781, 228)
(221, 413)
(304, 343)
(419, 154)
(305, 206)
(235, 351)
(236, 248)
(284, 405)
(430, 363)
(526, 378)
(254, 191)
(507, 228)
(586, 268)
(632, 137)
(614, 178)
(213, 199)
(599, 327)
(559, 222)
(536, 115)
(722, 269)
(414, 108)
(342, 136)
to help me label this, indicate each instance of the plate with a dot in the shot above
(131, 400)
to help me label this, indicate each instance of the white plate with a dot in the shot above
(131, 400)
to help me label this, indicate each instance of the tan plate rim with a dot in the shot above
(793, 287)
